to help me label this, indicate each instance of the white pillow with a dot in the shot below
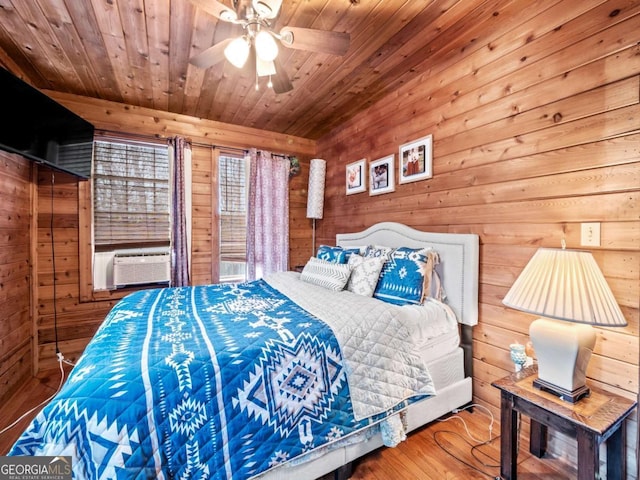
(378, 251)
(365, 274)
(333, 276)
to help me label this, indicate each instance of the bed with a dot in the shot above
(274, 379)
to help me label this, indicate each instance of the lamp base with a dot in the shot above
(563, 350)
(566, 395)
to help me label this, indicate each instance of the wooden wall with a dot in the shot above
(536, 128)
(15, 273)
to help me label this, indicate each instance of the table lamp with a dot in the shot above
(315, 196)
(561, 284)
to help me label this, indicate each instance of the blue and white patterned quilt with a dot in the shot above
(219, 381)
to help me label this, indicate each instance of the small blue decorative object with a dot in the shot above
(518, 355)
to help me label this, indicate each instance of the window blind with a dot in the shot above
(130, 193)
(233, 208)
(73, 157)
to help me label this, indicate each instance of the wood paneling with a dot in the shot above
(118, 117)
(531, 139)
(15, 273)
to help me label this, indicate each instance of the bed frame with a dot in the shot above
(459, 259)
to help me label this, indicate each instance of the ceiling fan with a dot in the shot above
(258, 45)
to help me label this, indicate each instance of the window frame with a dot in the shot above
(86, 247)
(242, 157)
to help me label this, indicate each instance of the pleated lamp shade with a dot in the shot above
(315, 198)
(565, 285)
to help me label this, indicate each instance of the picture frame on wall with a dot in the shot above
(382, 175)
(415, 160)
(356, 177)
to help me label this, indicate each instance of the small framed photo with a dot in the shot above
(356, 177)
(416, 160)
(382, 176)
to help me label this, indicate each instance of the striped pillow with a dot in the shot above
(333, 276)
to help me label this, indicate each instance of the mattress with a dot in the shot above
(447, 369)
(438, 336)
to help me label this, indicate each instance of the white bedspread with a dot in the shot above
(378, 341)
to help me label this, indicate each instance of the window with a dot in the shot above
(130, 195)
(131, 214)
(233, 195)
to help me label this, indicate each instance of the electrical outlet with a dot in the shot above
(590, 234)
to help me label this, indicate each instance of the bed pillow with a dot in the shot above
(434, 288)
(406, 276)
(335, 254)
(333, 276)
(364, 274)
(378, 251)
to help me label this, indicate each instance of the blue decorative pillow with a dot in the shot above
(335, 254)
(403, 277)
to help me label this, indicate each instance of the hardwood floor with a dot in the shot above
(29, 395)
(440, 451)
(443, 450)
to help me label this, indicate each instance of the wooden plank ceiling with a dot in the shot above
(137, 52)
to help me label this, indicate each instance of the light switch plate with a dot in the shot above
(590, 234)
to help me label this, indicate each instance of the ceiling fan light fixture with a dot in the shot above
(267, 8)
(286, 37)
(266, 46)
(228, 15)
(237, 52)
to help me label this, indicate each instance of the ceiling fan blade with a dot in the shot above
(217, 9)
(211, 55)
(280, 81)
(322, 41)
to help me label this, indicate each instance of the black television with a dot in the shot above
(42, 130)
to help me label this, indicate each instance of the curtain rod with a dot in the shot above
(137, 136)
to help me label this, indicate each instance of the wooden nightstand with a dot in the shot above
(592, 420)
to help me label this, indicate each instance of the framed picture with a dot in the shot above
(416, 160)
(356, 177)
(382, 176)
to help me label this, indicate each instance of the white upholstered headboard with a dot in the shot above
(459, 259)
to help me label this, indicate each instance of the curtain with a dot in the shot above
(268, 214)
(180, 160)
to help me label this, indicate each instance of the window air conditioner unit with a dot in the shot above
(139, 269)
